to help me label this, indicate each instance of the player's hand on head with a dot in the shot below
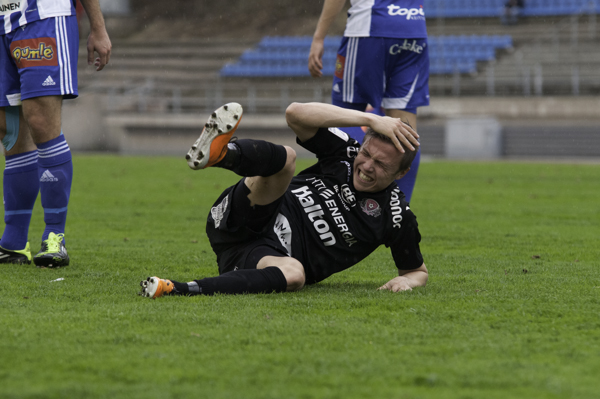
(315, 58)
(398, 131)
(99, 42)
(409, 134)
(396, 285)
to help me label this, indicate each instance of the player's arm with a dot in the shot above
(331, 8)
(306, 118)
(407, 280)
(98, 40)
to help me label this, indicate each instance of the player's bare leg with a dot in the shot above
(291, 268)
(268, 167)
(272, 274)
(264, 190)
(43, 117)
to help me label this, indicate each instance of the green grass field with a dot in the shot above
(511, 310)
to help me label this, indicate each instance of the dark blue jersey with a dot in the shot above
(403, 19)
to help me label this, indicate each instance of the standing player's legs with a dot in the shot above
(359, 74)
(20, 179)
(392, 73)
(43, 85)
(20, 185)
(269, 169)
(55, 175)
(406, 89)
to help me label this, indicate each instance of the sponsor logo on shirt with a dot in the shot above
(351, 152)
(284, 232)
(409, 13)
(370, 207)
(218, 212)
(34, 52)
(340, 61)
(347, 195)
(396, 209)
(316, 212)
(10, 7)
(315, 215)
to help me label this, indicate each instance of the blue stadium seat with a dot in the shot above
(494, 8)
(288, 56)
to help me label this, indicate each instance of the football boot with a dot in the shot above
(154, 287)
(16, 257)
(53, 252)
(211, 146)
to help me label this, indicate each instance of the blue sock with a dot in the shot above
(21, 186)
(407, 183)
(55, 170)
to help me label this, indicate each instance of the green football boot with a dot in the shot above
(16, 257)
(53, 252)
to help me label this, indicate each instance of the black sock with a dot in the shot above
(245, 281)
(254, 158)
(232, 157)
(180, 288)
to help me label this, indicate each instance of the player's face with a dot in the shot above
(376, 166)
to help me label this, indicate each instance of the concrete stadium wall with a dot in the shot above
(531, 127)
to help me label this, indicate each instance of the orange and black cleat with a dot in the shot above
(211, 146)
(154, 287)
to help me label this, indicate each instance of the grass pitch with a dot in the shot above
(511, 309)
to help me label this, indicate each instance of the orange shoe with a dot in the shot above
(211, 146)
(154, 287)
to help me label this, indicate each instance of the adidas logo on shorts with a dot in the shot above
(49, 81)
(47, 177)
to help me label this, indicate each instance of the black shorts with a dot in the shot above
(239, 233)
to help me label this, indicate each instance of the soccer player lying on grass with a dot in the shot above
(273, 232)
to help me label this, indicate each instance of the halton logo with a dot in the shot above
(34, 52)
(370, 207)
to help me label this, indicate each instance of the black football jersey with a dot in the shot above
(329, 226)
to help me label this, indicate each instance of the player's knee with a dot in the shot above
(292, 111)
(292, 270)
(290, 162)
(294, 274)
(41, 130)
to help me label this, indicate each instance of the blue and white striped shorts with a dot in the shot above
(39, 59)
(387, 72)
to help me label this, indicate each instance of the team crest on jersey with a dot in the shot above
(340, 61)
(370, 207)
(40, 51)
